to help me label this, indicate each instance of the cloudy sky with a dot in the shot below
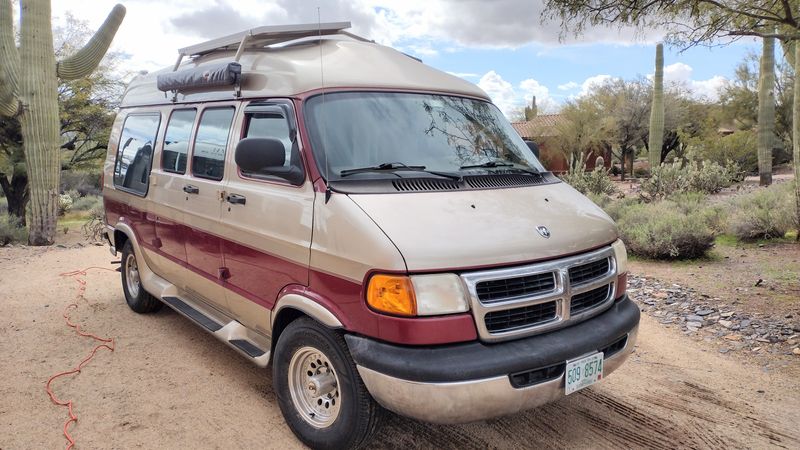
(498, 44)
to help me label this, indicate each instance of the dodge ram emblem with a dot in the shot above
(543, 231)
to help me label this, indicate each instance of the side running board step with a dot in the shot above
(247, 347)
(193, 314)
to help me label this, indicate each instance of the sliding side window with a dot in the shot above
(208, 155)
(176, 141)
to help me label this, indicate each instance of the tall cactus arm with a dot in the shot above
(656, 133)
(86, 59)
(9, 104)
(9, 69)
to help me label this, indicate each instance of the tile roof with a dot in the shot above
(543, 125)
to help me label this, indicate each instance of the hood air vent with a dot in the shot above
(504, 180)
(425, 184)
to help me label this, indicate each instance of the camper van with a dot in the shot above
(371, 228)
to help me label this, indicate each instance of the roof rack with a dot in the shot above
(260, 37)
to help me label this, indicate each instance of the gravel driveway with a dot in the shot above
(170, 385)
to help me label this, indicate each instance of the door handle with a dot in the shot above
(236, 199)
(189, 189)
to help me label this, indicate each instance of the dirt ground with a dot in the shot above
(171, 385)
(761, 279)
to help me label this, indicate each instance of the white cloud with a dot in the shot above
(591, 83)
(568, 86)
(510, 98)
(681, 74)
(153, 30)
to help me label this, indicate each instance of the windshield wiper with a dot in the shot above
(487, 164)
(396, 167)
(501, 164)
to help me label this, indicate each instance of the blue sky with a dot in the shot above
(501, 45)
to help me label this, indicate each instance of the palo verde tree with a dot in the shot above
(696, 22)
(656, 130)
(29, 77)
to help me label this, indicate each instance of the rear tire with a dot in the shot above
(344, 415)
(137, 298)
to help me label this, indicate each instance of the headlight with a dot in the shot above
(621, 256)
(417, 295)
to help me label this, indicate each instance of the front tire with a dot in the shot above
(137, 298)
(319, 391)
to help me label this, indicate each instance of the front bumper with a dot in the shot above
(476, 381)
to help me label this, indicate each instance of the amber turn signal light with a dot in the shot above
(392, 294)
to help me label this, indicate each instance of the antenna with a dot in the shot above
(322, 123)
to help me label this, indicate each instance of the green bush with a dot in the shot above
(763, 214)
(665, 230)
(739, 147)
(87, 203)
(11, 230)
(595, 181)
(707, 177)
(86, 183)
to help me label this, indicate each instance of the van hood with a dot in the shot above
(471, 229)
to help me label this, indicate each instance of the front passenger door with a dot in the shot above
(270, 218)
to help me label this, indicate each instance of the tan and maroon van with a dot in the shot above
(372, 227)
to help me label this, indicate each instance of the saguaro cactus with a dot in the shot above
(656, 136)
(794, 50)
(28, 81)
(766, 111)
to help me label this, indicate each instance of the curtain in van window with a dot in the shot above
(176, 141)
(135, 152)
(208, 156)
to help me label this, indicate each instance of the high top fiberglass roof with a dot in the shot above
(285, 61)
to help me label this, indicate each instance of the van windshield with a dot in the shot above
(385, 132)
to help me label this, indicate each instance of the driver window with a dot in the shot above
(275, 126)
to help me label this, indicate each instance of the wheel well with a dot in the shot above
(285, 317)
(120, 239)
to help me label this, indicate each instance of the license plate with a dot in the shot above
(583, 372)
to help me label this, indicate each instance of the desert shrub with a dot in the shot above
(11, 230)
(739, 147)
(664, 180)
(666, 230)
(86, 183)
(595, 181)
(763, 214)
(706, 177)
(87, 203)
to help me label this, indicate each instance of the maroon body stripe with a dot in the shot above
(263, 278)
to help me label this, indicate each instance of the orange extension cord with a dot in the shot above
(108, 343)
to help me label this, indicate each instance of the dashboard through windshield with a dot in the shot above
(378, 134)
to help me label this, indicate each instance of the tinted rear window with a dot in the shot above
(176, 141)
(208, 156)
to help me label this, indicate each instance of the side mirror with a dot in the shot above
(256, 154)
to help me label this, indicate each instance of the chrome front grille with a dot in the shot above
(493, 290)
(526, 300)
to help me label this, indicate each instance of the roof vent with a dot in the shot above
(425, 184)
(496, 180)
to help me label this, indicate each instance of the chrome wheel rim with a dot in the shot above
(132, 275)
(314, 387)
